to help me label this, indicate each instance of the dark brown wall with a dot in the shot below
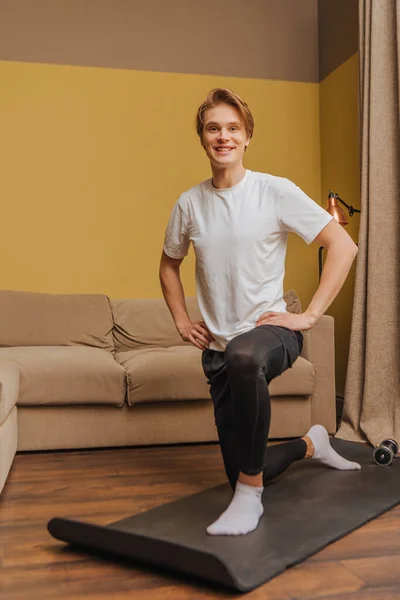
(337, 33)
(265, 39)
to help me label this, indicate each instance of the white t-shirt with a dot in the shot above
(239, 236)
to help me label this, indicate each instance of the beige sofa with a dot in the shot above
(85, 371)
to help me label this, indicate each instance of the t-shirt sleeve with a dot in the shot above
(176, 240)
(297, 212)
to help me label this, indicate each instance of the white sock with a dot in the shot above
(324, 451)
(243, 513)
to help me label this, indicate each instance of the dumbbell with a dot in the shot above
(384, 453)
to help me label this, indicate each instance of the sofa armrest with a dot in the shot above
(319, 350)
(9, 388)
(9, 392)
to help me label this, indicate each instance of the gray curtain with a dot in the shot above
(371, 410)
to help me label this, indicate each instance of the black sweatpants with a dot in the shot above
(238, 380)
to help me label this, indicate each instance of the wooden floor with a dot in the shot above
(106, 485)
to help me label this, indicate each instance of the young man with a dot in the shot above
(238, 222)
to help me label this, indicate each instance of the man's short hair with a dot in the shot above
(224, 96)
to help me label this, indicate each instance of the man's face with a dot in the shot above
(224, 135)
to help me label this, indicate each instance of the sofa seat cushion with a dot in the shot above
(299, 380)
(54, 375)
(155, 374)
(176, 373)
(9, 388)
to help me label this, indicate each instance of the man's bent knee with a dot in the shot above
(241, 356)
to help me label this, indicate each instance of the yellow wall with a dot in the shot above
(340, 171)
(94, 159)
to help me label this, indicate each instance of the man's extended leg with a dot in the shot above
(277, 458)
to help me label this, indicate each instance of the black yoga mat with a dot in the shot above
(306, 508)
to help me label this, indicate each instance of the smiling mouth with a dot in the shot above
(222, 150)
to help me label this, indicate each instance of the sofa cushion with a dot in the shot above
(54, 375)
(176, 373)
(293, 304)
(9, 388)
(37, 319)
(164, 374)
(299, 380)
(147, 322)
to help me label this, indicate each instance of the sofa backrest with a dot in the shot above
(39, 319)
(148, 322)
(142, 322)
